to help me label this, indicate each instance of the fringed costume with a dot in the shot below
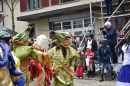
(39, 70)
(62, 59)
(24, 53)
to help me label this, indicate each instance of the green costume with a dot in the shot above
(23, 52)
(62, 66)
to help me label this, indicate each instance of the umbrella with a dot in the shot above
(2, 28)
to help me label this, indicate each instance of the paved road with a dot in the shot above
(93, 81)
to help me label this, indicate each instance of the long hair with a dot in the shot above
(127, 42)
(42, 41)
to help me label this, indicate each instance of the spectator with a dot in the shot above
(79, 64)
(2, 16)
(79, 42)
(74, 43)
(104, 59)
(124, 75)
(109, 8)
(119, 47)
(111, 37)
(91, 42)
(89, 61)
(122, 7)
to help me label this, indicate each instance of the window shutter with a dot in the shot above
(23, 5)
(45, 3)
(54, 2)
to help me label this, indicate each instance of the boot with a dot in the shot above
(92, 73)
(101, 79)
(89, 74)
(113, 77)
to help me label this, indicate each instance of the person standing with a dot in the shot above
(89, 60)
(104, 54)
(109, 8)
(122, 7)
(92, 42)
(111, 37)
(2, 16)
(79, 64)
(62, 59)
(124, 74)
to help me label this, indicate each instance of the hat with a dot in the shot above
(4, 34)
(89, 47)
(61, 36)
(88, 33)
(81, 35)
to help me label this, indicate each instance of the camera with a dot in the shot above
(102, 28)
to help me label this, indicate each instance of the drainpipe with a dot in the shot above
(2, 10)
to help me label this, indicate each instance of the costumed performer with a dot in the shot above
(62, 59)
(124, 74)
(9, 75)
(24, 53)
(40, 70)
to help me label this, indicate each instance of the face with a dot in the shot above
(88, 49)
(89, 38)
(108, 26)
(100, 45)
(65, 43)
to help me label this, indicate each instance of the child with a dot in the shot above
(104, 54)
(89, 60)
(2, 16)
(79, 64)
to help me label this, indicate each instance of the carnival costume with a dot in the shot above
(39, 70)
(24, 53)
(62, 59)
(9, 74)
(124, 74)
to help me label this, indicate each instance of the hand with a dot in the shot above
(104, 29)
(100, 63)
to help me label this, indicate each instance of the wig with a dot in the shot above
(42, 41)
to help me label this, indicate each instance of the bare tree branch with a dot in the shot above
(8, 5)
(15, 4)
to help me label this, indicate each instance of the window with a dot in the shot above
(86, 22)
(77, 33)
(34, 4)
(77, 23)
(66, 25)
(57, 26)
(63, 1)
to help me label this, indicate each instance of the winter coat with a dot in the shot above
(91, 55)
(104, 53)
(111, 36)
(80, 61)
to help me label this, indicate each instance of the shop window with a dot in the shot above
(77, 23)
(57, 26)
(34, 4)
(77, 33)
(64, 1)
(66, 25)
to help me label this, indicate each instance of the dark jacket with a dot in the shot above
(111, 36)
(104, 52)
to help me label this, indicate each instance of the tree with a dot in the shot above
(12, 4)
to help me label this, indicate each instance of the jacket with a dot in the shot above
(90, 54)
(104, 52)
(94, 46)
(111, 36)
(80, 61)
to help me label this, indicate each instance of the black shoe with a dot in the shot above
(113, 77)
(89, 73)
(101, 79)
(92, 74)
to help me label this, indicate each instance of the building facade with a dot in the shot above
(45, 15)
